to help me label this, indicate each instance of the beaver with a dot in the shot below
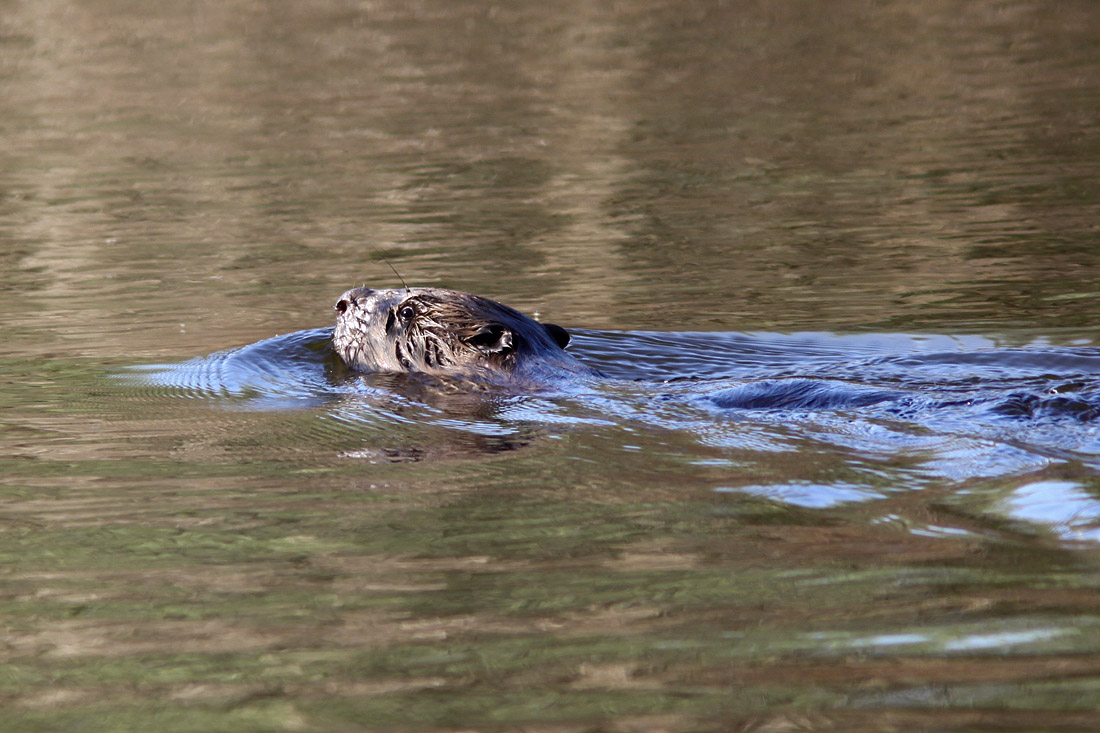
(451, 334)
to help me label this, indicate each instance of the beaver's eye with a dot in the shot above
(406, 313)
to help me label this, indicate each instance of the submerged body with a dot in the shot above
(449, 333)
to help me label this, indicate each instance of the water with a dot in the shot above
(837, 261)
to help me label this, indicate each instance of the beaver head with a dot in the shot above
(445, 333)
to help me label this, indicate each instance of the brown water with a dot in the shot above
(888, 193)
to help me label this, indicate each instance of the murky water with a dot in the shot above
(838, 261)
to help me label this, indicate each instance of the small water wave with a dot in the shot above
(671, 356)
(801, 394)
(284, 372)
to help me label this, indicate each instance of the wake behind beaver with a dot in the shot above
(421, 355)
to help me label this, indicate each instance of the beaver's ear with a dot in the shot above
(559, 334)
(492, 338)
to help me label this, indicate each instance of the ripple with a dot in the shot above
(976, 411)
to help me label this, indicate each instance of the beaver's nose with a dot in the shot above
(351, 297)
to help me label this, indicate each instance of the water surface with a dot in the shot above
(712, 196)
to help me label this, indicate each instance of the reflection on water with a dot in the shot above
(1059, 506)
(715, 190)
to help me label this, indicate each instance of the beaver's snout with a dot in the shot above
(350, 298)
